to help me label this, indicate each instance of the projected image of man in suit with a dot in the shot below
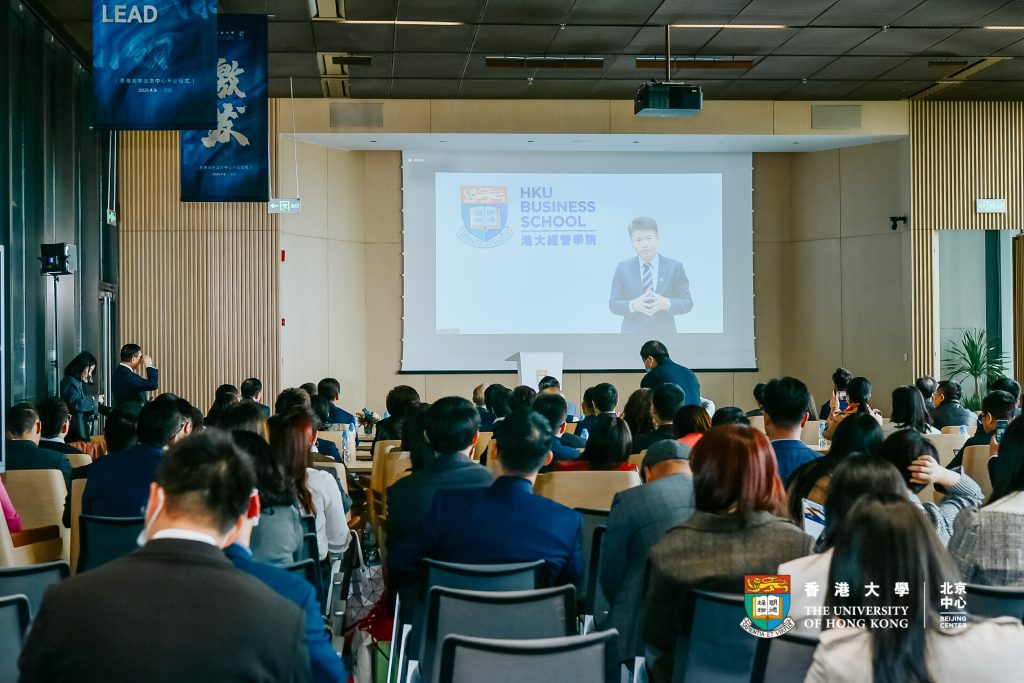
(650, 290)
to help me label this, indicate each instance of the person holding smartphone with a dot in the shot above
(998, 406)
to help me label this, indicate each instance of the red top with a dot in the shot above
(581, 465)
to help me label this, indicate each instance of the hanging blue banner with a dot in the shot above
(153, 64)
(229, 163)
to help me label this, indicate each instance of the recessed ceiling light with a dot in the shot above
(388, 22)
(636, 142)
(1004, 28)
(754, 27)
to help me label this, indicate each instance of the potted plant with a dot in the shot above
(972, 356)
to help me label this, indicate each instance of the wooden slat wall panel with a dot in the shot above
(1018, 307)
(199, 281)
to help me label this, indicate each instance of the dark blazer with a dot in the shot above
(644, 440)
(486, 420)
(127, 386)
(952, 414)
(670, 372)
(59, 446)
(791, 454)
(388, 429)
(560, 453)
(409, 498)
(342, 417)
(639, 518)
(172, 611)
(118, 484)
(711, 552)
(980, 438)
(627, 284)
(572, 441)
(328, 448)
(25, 455)
(325, 662)
(265, 409)
(460, 526)
(81, 405)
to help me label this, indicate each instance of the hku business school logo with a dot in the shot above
(485, 215)
(767, 601)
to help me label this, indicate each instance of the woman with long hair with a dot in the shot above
(690, 424)
(889, 556)
(81, 405)
(858, 393)
(608, 448)
(277, 539)
(909, 411)
(226, 395)
(639, 411)
(245, 417)
(414, 440)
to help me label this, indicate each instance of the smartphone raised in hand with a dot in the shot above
(1001, 429)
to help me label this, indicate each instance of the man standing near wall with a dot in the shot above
(127, 385)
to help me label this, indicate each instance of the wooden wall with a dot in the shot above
(1018, 307)
(199, 281)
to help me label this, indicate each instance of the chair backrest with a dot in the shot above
(712, 648)
(78, 459)
(809, 433)
(571, 427)
(947, 445)
(593, 490)
(995, 601)
(37, 495)
(637, 459)
(517, 615)
(395, 466)
(32, 580)
(757, 422)
(955, 429)
(482, 442)
(592, 521)
(34, 546)
(333, 437)
(337, 470)
(597, 602)
(387, 449)
(14, 619)
(77, 489)
(976, 467)
(592, 658)
(783, 659)
(306, 568)
(102, 539)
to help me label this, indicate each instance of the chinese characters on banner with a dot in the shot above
(152, 64)
(228, 162)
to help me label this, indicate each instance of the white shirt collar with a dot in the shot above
(186, 535)
(55, 439)
(127, 366)
(654, 261)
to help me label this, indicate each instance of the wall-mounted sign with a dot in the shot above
(284, 206)
(990, 205)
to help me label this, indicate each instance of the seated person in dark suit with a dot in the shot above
(398, 402)
(667, 400)
(23, 450)
(948, 411)
(840, 379)
(330, 389)
(252, 390)
(486, 416)
(1010, 386)
(460, 524)
(552, 408)
(178, 600)
(119, 431)
(551, 385)
(55, 419)
(496, 400)
(663, 370)
(322, 411)
(451, 426)
(126, 385)
(926, 385)
(598, 400)
(785, 414)
(118, 484)
(998, 405)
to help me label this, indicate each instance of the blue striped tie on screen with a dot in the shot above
(648, 277)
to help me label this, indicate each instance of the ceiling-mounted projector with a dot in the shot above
(667, 98)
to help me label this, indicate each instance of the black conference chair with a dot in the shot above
(995, 601)
(306, 568)
(597, 602)
(32, 580)
(102, 539)
(517, 615)
(592, 658)
(783, 659)
(14, 618)
(592, 520)
(712, 647)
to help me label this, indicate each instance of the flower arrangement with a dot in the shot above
(367, 418)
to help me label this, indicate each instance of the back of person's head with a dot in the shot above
(321, 409)
(734, 472)
(451, 424)
(524, 442)
(496, 399)
(859, 391)
(729, 415)
(245, 417)
(414, 438)
(291, 398)
(160, 420)
(120, 430)
(129, 352)
(522, 397)
(226, 395)
(667, 400)
(478, 396)
(21, 419)
(553, 408)
(329, 388)
(785, 402)
(548, 382)
(226, 391)
(909, 410)
(609, 444)
(926, 385)
(902, 448)
(251, 388)
(274, 486)
(207, 480)
(400, 398)
(639, 411)
(865, 475)
(858, 433)
(949, 389)
(654, 349)
(1007, 384)
(884, 542)
(691, 420)
(1007, 470)
(604, 397)
(759, 393)
(309, 388)
(291, 436)
(79, 364)
(196, 417)
(841, 378)
(54, 414)
(1001, 405)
